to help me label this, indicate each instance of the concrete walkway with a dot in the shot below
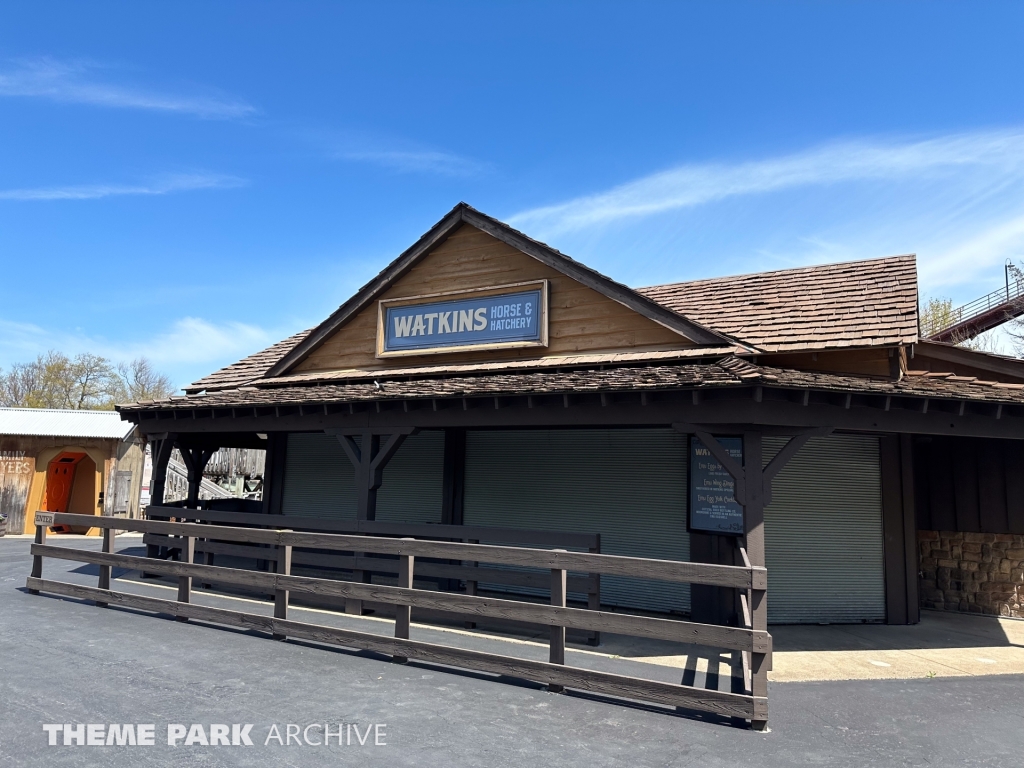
(942, 645)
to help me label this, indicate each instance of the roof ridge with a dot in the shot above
(771, 272)
(464, 213)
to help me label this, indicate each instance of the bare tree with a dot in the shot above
(54, 380)
(138, 380)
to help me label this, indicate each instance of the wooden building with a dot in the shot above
(485, 379)
(84, 462)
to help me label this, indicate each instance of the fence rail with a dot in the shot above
(362, 568)
(558, 616)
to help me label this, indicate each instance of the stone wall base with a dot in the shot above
(975, 572)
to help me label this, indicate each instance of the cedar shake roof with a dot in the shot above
(248, 369)
(728, 372)
(855, 304)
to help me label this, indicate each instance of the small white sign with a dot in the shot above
(44, 518)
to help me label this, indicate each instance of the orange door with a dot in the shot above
(60, 476)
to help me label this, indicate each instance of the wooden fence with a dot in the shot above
(755, 645)
(358, 567)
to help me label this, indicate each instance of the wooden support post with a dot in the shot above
(162, 445)
(195, 460)
(188, 555)
(368, 458)
(108, 546)
(37, 560)
(208, 557)
(754, 514)
(403, 613)
(556, 651)
(594, 596)
(471, 586)
(284, 568)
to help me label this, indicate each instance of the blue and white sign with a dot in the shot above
(713, 507)
(510, 318)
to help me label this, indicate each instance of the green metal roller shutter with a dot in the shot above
(413, 481)
(319, 480)
(823, 533)
(629, 485)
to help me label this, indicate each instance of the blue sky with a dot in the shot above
(194, 181)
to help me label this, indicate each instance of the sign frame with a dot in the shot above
(690, 490)
(473, 293)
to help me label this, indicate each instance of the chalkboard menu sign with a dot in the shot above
(713, 508)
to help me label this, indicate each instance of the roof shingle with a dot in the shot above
(854, 304)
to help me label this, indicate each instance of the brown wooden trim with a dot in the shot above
(573, 539)
(893, 535)
(596, 281)
(590, 584)
(910, 551)
(453, 477)
(717, 409)
(1015, 487)
(948, 353)
(638, 567)
(273, 473)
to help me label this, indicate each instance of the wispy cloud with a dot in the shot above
(693, 185)
(443, 163)
(957, 201)
(162, 186)
(76, 83)
(188, 349)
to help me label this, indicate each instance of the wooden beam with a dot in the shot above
(618, 565)
(724, 408)
(734, 638)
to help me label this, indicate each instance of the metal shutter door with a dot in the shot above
(413, 481)
(629, 485)
(823, 533)
(319, 480)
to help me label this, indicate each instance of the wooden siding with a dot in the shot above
(923, 363)
(580, 319)
(17, 469)
(969, 485)
(866, 362)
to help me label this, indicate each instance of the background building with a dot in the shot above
(85, 462)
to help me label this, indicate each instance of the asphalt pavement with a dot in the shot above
(69, 662)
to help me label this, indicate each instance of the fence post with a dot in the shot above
(37, 560)
(403, 613)
(472, 585)
(354, 605)
(594, 596)
(188, 555)
(108, 547)
(760, 663)
(284, 567)
(556, 654)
